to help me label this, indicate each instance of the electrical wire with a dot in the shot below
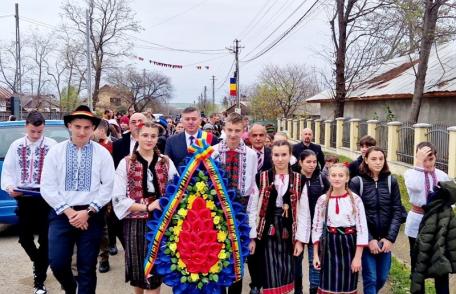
(272, 45)
(254, 21)
(227, 76)
(179, 14)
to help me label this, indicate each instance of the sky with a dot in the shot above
(204, 25)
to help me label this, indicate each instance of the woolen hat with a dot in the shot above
(82, 111)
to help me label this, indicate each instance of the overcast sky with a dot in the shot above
(204, 24)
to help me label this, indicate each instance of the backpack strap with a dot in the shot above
(322, 185)
(389, 184)
(361, 185)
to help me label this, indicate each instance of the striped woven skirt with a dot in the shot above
(278, 256)
(336, 274)
(134, 231)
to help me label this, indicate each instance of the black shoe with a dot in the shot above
(103, 266)
(255, 290)
(313, 290)
(113, 250)
(39, 289)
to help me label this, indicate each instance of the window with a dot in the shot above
(115, 101)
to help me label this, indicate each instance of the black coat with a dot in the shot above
(121, 148)
(317, 185)
(384, 211)
(354, 167)
(297, 150)
(267, 163)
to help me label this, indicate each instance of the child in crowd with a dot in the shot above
(329, 161)
(364, 143)
(317, 184)
(420, 182)
(339, 234)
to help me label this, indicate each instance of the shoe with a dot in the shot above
(255, 290)
(103, 266)
(113, 250)
(313, 290)
(40, 289)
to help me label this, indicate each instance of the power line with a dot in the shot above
(227, 76)
(179, 14)
(277, 28)
(251, 24)
(264, 51)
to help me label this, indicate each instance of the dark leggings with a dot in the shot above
(441, 283)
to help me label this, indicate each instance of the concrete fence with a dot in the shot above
(398, 139)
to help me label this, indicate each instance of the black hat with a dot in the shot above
(82, 111)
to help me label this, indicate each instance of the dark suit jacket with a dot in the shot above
(121, 148)
(176, 148)
(298, 148)
(267, 163)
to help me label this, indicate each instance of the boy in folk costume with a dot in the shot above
(240, 164)
(22, 169)
(77, 182)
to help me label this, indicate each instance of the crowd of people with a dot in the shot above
(103, 183)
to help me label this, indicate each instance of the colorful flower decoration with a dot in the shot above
(199, 241)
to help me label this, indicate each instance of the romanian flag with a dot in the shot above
(233, 88)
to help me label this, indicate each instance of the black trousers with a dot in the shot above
(442, 284)
(255, 264)
(33, 219)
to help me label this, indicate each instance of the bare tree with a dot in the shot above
(144, 88)
(430, 18)
(8, 66)
(41, 47)
(109, 23)
(281, 91)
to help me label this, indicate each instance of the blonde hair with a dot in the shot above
(349, 192)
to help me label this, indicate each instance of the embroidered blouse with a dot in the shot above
(340, 214)
(247, 168)
(415, 182)
(303, 213)
(77, 176)
(23, 163)
(123, 200)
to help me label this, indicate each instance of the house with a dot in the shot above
(5, 95)
(388, 92)
(43, 103)
(111, 97)
(245, 109)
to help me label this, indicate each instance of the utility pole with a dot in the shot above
(18, 73)
(89, 60)
(236, 52)
(213, 90)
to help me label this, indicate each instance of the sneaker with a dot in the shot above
(113, 250)
(40, 289)
(103, 266)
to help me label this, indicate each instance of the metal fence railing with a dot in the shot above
(4, 115)
(332, 142)
(439, 136)
(312, 127)
(382, 135)
(406, 143)
(322, 134)
(346, 134)
(362, 131)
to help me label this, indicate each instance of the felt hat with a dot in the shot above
(82, 111)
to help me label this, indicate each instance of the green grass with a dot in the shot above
(400, 279)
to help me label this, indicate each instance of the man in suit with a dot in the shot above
(125, 145)
(306, 143)
(176, 146)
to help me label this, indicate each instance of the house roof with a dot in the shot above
(395, 78)
(5, 93)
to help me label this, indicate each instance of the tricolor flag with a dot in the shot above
(233, 88)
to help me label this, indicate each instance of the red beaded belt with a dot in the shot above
(342, 230)
(417, 209)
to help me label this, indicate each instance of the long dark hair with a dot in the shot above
(364, 168)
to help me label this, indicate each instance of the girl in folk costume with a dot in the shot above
(141, 180)
(282, 211)
(421, 182)
(317, 184)
(339, 233)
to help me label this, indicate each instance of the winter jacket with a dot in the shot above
(435, 246)
(317, 185)
(384, 209)
(353, 167)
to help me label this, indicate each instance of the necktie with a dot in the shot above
(260, 159)
(191, 138)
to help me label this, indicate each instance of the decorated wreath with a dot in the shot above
(199, 240)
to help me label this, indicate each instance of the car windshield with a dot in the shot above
(9, 134)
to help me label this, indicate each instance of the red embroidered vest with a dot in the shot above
(265, 192)
(135, 183)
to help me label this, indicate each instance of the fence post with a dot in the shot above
(393, 140)
(295, 129)
(339, 131)
(328, 133)
(452, 154)
(354, 133)
(421, 130)
(317, 131)
(289, 127)
(279, 124)
(309, 123)
(301, 126)
(372, 128)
